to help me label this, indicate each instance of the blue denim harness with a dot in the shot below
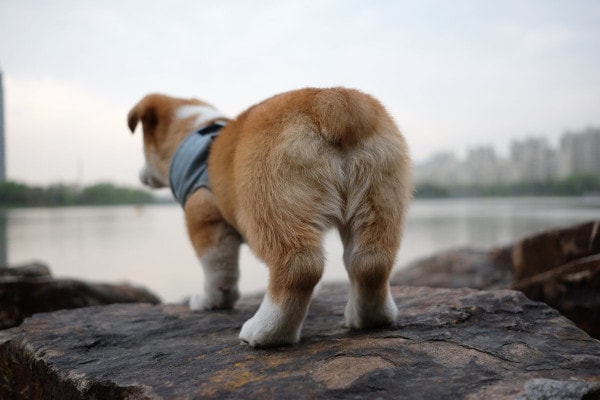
(189, 167)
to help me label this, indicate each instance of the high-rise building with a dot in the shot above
(531, 160)
(441, 169)
(534, 159)
(483, 166)
(580, 152)
(2, 151)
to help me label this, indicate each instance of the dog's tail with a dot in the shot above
(346, 117)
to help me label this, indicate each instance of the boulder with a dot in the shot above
(30, 289)
(447, 343)
(559, 267)
(574, 289)
(459, 268)
(31, 270)
(537, 254)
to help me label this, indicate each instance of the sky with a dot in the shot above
(453, 74)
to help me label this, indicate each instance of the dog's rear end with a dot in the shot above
(293, 166)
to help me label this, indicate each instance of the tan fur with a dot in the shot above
(286, 170)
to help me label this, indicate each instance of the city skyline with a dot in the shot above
(530, 159)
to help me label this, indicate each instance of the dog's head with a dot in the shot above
(166, 121)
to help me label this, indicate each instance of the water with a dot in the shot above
(148, 246)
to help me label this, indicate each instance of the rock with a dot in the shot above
(540, 253)
(573, 289)
(32, 270)
(31, 289)
(544, 389)
(458, 268)
(557, 267)
(448, 343)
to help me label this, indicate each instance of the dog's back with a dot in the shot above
(320, 154)
(300, 162)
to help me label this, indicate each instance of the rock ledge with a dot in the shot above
(449, 343)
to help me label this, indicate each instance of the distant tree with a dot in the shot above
(107, 193)
(579, 184)
(429, 190)
(575, 185)
(13, 193)
(18, 194)
(61, 195)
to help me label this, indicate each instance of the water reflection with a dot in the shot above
(149, 246)
(437, 224)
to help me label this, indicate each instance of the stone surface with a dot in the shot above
(537, 254)
(448, 343)
(559, 267)
(459, 268)
(574, 289)
(31, 289)
(32, 270)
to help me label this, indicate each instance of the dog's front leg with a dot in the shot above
(221, 274)
(217, 246)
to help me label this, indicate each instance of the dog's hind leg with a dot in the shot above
(371, 239)
(369, 263)
(217, 246)
(371, 233)
(294, 273)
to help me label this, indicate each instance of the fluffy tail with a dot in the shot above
(347, 116)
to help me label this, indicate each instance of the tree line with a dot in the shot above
(16, 194)
(574, 185)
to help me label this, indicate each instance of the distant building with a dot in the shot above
(534, 160)
(531, 160)
(441, 169)
(580, 152)
(483, 167)
(2, 148)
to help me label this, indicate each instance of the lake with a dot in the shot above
(148, 246)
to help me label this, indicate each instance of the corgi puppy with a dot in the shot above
(277, 177)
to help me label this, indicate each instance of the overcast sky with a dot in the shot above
(454, 74)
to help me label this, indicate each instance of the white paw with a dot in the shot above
(196, 301)
(362, 315)
(270, 326)
(217, 300)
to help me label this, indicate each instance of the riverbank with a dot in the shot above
(580, 184)
(16, 194)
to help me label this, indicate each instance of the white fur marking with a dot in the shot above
(263, 329)
(362, 311)
(149, 174)
(150, 177)
(221, 274)
(273, 325)
(203, 114)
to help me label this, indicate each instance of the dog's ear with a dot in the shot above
(133, 118)
(146, 112)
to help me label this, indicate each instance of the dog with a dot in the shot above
(277, 177)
